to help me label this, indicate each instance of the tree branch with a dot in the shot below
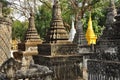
(45, 3)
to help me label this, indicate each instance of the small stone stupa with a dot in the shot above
(31, 35)
(28, 47)
(32, 39)
(80, 40)
(56, 42)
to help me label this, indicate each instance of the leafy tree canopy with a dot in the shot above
(76, 8)
(5, 9)
(19, 29)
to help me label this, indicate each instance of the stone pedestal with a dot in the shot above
(28, 46)
(57, 52)
(57, 49)
(32, 39)
(65, 67)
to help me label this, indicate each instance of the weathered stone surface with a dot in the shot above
(5, 38)
(31, 34)
(65, 67)
(11, 70)
(57, 49)
(105, 61)
(57, 52)
(32, 39)
(80, 41)
(116, 34)
(9, 67)
(79, 38)
(108, 38)
(57, 32)
(57, 38)
(112, 12)
(29, 45)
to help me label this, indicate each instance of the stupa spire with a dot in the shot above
(56, 15)
(57, 32)
(79, 38)
(90, 35)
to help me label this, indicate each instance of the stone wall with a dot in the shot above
(66, 67)
(5, 37)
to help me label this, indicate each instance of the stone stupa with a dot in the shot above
(80, 40)
(31, 39)
(56, 41)
(57, 52)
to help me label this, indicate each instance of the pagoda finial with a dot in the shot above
(90, 35)
(56, 10)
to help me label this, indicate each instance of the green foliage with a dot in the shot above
(44, 14)
(98, 14)
(19, 29)
(67, 13)
(4, 3)
(42, 20)
(98, 21)
(5, 9)
(117, 2)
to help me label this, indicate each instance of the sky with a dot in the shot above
(19, 7)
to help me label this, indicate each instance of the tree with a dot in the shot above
(19, 29)
(5, 9)
(23, 8)
(42, 19)
(76, 8)
(98, 11)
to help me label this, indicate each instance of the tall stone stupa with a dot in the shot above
(57, 52)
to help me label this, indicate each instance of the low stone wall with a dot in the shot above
(66, 67)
